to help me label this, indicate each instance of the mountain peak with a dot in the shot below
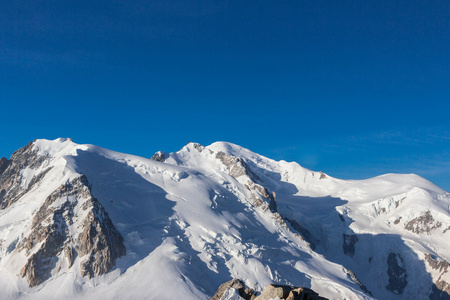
(79, 220)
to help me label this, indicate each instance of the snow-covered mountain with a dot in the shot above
(83, 222)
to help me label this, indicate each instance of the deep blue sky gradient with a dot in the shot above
(353, 88)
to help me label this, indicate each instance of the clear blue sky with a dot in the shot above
(352, 88)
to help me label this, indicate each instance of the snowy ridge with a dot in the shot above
(194, 219)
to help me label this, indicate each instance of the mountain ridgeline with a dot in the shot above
(82, 222)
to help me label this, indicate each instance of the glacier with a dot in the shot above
(183, 223)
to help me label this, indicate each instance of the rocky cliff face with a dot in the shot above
(12, 181)
(423, 224)
(238, 167)
(3, 164)
(70, 225)
(73, 223)
(441, 288)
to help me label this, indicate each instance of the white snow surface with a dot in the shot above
(189, 226)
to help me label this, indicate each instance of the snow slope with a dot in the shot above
(194, 219)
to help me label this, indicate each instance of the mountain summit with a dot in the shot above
(83, 222)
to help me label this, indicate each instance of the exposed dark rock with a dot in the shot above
(260, 197)
(3, 164)
(259, 191)
(198, 147)
(270, 292)
(233, 283)
(322, 176)
(70, 255)
(385, 208)
(236, 166)
(349, 244)
(356, 280)
(35, 270)
(302, 293)
(397, 203)
(273, 291)
(436, 264)
(440, 288)
(398, 278)
(12, 190)
(424, 223)
(11, 180)
(98, 238)
(160, 156)
(305, 233)
(397, 220)
(249, 294)
(38, 267)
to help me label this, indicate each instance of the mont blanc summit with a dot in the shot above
(79, 222)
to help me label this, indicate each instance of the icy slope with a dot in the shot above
(79, 221)
(393, 231)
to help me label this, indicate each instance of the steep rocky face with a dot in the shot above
(440, 265)
(356, 280)
(398, 278)
(3, 164)
(99, 240)
(261, 197)
(441, 288)
(304, 232)
(12, 183)
(423, 224)
(349, 244)
(236, 166)
(74, 223)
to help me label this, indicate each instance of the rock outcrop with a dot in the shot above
(236, 284)
(12, 184)
(236, 166)
(272, 291)
(349, 242)
(3, 164)
(159, 156)
(96, 241)
(260, 195)
(356, 280)
(441, 288)
(423, 224)
(398, 278)
(304, 233)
